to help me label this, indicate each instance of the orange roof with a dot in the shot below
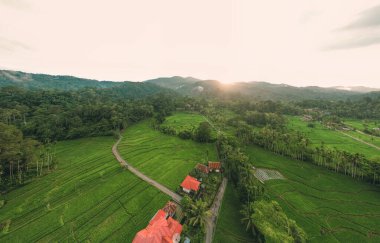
(202, 168)
(190, 183)
(159, 230)
(214, 165)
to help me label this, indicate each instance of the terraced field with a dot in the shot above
(88, 198)
(331, 138)
(330, 207)
(229, 228)
(185, 121)
(166, 159)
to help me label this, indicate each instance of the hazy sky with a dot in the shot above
(299, 42)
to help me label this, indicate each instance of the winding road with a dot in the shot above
(211, 221)
(177, 198)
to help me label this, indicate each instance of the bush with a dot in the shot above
(185, 134)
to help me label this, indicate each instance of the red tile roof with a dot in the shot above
(214, 165)
(159, 230)
(190, 183)
(202, 168)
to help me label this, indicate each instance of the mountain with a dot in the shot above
(256, 90)
(119, 90)
(186, 86)
(360, 89)
(44, 81)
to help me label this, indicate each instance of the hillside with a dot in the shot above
(257, 90)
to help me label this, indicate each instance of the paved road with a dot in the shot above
(362, 141)
(177, 198)
(211, 222)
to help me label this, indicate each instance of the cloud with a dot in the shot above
(356, 42)
(18, 4)
(368, 19)
(363, 31)
(12, 45)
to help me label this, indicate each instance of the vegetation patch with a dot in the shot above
(84, 204)
(229, 227)
(167, 159)
(330, 207)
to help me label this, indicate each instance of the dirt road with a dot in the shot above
(211, 222)
(177, 198)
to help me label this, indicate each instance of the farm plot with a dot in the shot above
(331, 138)
(265, 174)
(330, 207)
(89, 197)
(185, 121)
(167, 159)
(229, 228)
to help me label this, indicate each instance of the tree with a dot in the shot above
(199, 214)
(203, 132)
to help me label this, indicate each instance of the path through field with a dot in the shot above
(177, 198)
(362, 141)
(211, 222)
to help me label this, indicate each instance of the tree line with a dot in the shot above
(263, 217)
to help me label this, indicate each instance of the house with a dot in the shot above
(190, 184)
(214, 166)
(161, 229)
(170, 208)
(202, 168)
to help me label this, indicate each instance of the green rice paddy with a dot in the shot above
(88, 198)
(229, 228)
(166, 159)
(331, 138)
(329, 206)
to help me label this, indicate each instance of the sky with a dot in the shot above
(297, 42)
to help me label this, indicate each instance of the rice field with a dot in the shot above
(330, 207)
(185, 121)
(88, 198)
(229, 228)
(166, 159)
(331, 138)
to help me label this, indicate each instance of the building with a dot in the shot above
(202, 168)
(161, 229)
(190, 184)
(214, 166)
(170, 208)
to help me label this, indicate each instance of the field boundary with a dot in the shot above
(360, 140)
(177, 198)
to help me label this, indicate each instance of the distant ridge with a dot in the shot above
(187, 86)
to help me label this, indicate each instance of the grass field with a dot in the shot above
(331, 138)
(167, 159)
(229, 228)
(330, 207)
(185, 121)
(359, 124)
(88, 198)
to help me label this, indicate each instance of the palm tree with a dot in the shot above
(247, 213)
(199, 214)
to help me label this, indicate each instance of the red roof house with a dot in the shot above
(190, 184)
(160, 230)
(214, 166)
(202, 168)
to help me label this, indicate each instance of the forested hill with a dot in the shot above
(44, 81)
(185, 86)
(257, 90)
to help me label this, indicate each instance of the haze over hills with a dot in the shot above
(185, 86)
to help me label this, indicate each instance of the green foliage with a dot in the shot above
(320, 200)
(203, 133)
(90, 198)
(165, 158)
(273, 224)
